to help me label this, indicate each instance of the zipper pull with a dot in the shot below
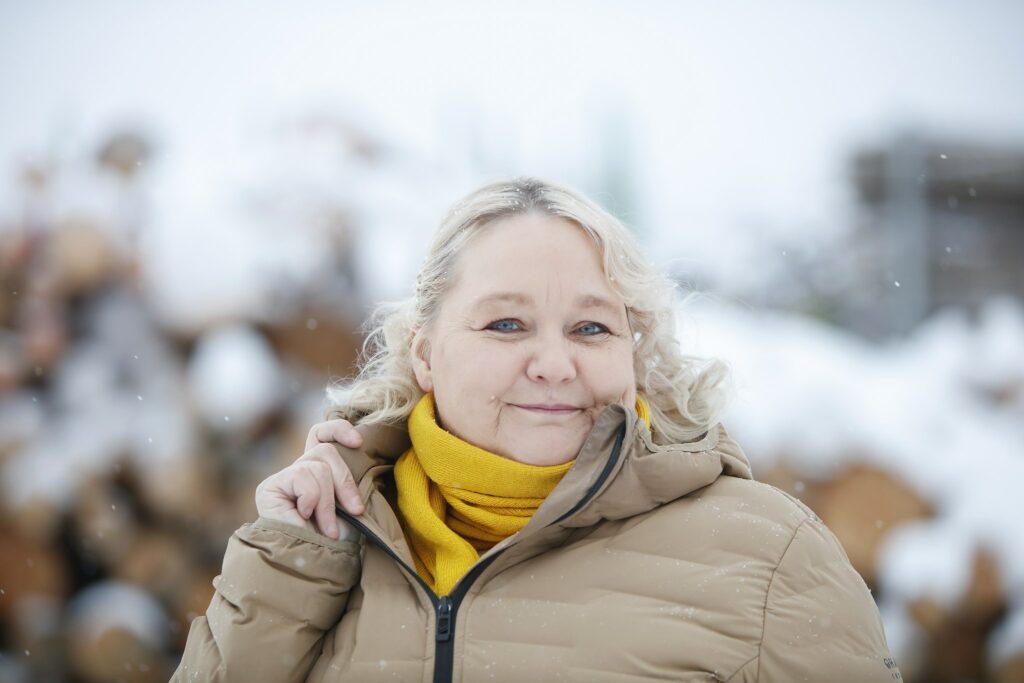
(444, 618)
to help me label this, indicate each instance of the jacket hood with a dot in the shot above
(617, 481)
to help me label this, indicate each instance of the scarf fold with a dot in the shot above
(456, 500)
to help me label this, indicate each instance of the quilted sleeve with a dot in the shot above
(280, 589)
(820, 621)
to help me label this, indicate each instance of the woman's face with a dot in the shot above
(530, 343)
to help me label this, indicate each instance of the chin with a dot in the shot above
(548, 452)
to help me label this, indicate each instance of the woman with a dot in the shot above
(537, 487)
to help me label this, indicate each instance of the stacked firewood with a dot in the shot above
(114, 518)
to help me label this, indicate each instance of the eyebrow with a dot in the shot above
(583, 301)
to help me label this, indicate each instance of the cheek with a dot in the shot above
(609, 375)
(470, 382)
(472, 372)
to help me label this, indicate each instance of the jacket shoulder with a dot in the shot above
(818, 614)
(745, 519)
(748, 496)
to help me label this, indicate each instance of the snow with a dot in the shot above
(107, 605)
(93, 413)
(824, 400)
(997, 354)
(21, 417)
(234, 378)
(926, 560)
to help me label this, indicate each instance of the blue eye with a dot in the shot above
(590, 329)
(506, 325)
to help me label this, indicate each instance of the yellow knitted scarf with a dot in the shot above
(456, 500)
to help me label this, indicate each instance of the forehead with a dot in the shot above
(530, 251)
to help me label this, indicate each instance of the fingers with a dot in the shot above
(343, 484)
(314, 495)
(346, 489)
(304, 490)
(348, 493)
(307, 492)
(338, 430)
(325, 518)
(319, 445)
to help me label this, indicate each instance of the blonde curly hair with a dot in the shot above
(685, 394)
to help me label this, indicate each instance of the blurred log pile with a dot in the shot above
(114, 517)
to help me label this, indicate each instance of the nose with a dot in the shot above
(551, 361)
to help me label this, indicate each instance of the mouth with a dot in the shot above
(548, 408)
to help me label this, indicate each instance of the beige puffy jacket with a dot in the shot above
(648, 562)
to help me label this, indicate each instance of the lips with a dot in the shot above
(548, 408)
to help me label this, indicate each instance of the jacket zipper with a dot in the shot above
(446, 606)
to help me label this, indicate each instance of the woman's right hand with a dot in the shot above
(305, 492)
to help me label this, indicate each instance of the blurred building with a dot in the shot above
(942, 225)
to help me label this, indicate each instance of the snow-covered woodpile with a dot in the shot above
(147, 389)
(133, 433)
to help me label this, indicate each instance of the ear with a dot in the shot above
(421, 361)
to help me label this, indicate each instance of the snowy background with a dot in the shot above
(199, 203)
